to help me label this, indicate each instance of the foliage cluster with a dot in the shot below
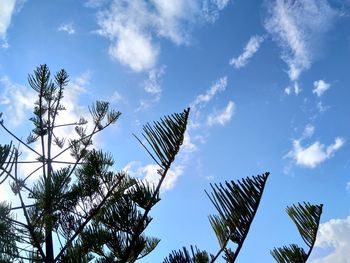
(80, 210)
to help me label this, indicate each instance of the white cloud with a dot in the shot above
(152, 84)
(320, 86)
(222, 117)
(150, 174)
(308, 131)
(202, 99)
(67, 27)
(212, 8)
(296, 25)
(187, 145)
(295, 88)
(95, 3)
(314, 154)
(321, 107)
(250, 49)
(7, 8)
(347, 187)
(19, 100)
(134, 26)
(116, 97)
(333, 235)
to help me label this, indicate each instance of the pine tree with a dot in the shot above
(79, 210)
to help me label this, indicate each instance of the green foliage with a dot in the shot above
(79, 209)
(306, 217)
(7, 239)
(237, 204)
(193, 256)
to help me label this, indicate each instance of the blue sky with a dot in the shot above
(267, 82)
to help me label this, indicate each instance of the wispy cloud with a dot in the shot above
(152, 86)
(17, 99)
(211, 9)
(7, 8)
(67, 27)
(308, 131)
(222, 117)
(314, 154)
(149, 173)
(116, 97)
(320, 86)
(250, 49)
(202, 99)
(296, 25)
(134, 26)
(293, 88)
(95, 3)
(322, 108)
(333, 236)
(347, 187)
(218, 86)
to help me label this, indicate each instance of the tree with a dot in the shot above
(79, 210)
(237, 204)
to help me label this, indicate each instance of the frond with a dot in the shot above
(8, 238)
(40, 79)
(237, 204)
(306, 217)
(291, 254)
(165, 137)
(150, 244)
(185, 256)
(142, 194)
(6, 156)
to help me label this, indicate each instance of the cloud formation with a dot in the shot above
(320, 86)
(334, 234)
(296, 26)
(149, 173)
(315, 153)
(222, 117)
(293, 88)
(152, 86)
(134, 26)
(250, 49)
(67, 27)
(18, 100)
(212, 8)
(7, 8)
(202, 99)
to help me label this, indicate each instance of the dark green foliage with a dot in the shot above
(237, 204)
(306, 217)
(184, 256)
(83, 208)
(6, 156)
(165, 138)
(8, 248)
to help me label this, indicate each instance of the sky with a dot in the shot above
(267, 83)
